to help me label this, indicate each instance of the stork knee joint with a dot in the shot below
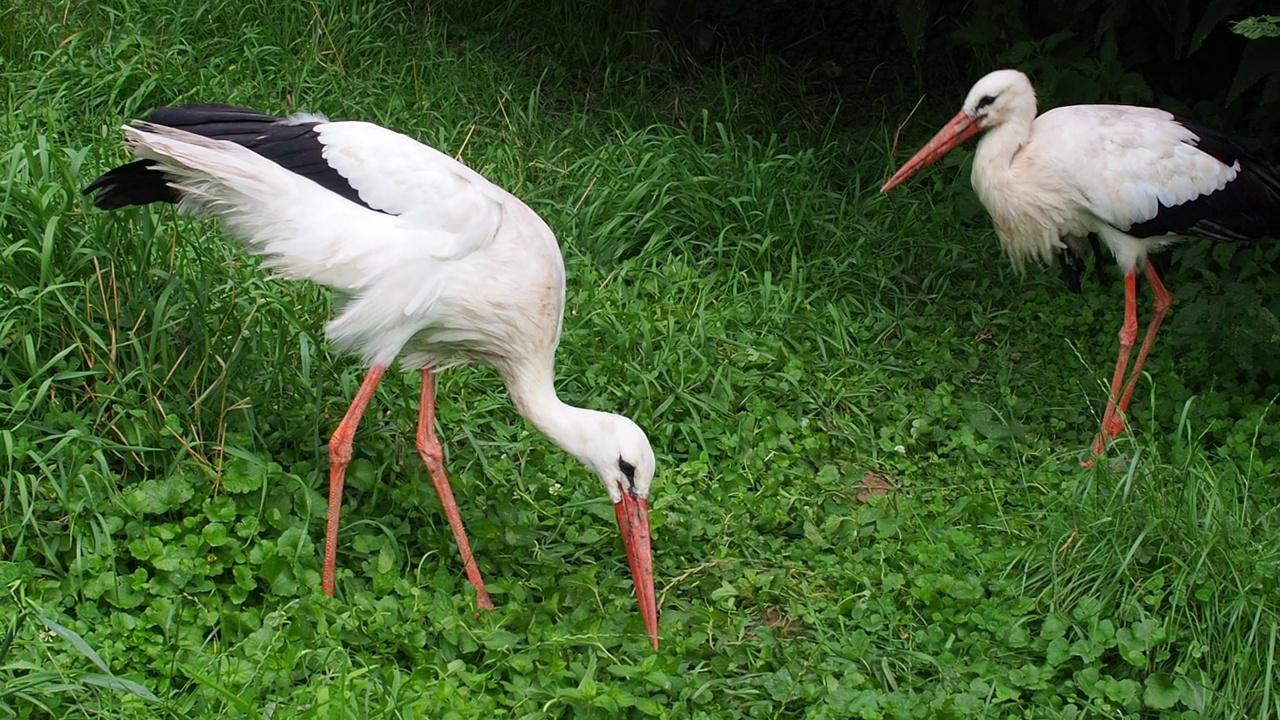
(339, 450)
(430, 451)
(1128, 336)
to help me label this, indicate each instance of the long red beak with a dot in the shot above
(961, 128)
(633, 521)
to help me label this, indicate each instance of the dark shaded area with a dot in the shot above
(1180, 55)
(1072, 262)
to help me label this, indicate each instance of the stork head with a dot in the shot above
(999, 97)
(619, 453)
(622, 457)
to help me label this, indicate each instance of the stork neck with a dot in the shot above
(1000, 144)
(994, 173)
(533, 391)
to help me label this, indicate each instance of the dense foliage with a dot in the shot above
(1192, 53)
(791, 341)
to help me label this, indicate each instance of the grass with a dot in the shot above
(736, 285)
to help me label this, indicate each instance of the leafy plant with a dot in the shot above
(1258, 26)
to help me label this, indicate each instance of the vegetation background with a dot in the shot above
(868, 428)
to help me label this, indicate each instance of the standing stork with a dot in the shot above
(1139, 178)
(441, 266)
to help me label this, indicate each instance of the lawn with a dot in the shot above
(785, 335)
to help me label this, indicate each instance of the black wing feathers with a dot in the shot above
(1246, 209)
(220, 122)
(135, 183)
(293, 145)
(297, 147)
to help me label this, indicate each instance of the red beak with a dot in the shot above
(633, 521)
(961, 128)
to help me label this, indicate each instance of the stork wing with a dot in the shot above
(431, 194)
(380, 169)
(1162, 175)
(428, 190)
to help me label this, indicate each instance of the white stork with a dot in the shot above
(441, 267)
(1140, 178)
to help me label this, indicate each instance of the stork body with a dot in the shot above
(1139, 178)
(440, 268)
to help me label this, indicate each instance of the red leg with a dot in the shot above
(1128, 334)
(339, 457)
(433, 455)
(1164, 300)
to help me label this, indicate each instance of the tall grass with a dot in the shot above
(734, 284)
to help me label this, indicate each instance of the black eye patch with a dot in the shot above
(628, 470)
(985, 101)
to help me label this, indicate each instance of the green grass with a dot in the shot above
(736, 285)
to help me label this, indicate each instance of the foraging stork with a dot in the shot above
(441, 268)
(1139, 178)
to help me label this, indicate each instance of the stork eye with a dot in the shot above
(628, 470)
(986, 100)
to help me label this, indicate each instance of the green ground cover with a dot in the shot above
(736, 285)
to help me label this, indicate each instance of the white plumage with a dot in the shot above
(414, 271)
(1138, 178)
(439, 265)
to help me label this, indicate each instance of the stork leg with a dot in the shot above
(1164, 300)
(339, 458)
(1112, 422)
(433, 456)
(1113, 418)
